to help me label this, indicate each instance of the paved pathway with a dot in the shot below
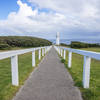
(50, 81)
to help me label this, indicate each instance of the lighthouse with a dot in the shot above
(57, 39)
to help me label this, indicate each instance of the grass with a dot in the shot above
(76, 70)
(7, 91)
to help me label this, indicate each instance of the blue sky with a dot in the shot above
(7, 6)
(74, 19)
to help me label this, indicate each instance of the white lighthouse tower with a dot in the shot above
(57, 39)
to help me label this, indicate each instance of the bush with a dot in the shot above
(23, 41)
(4, 46)
(63, 44)
(82, 45)
(79, 45)
(62, 61)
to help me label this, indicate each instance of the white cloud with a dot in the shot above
(30, 21)
(76, 8)
(65, 16)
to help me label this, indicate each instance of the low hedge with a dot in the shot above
(4, 46)
(83, 45)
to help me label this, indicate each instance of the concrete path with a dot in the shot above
(50, 81)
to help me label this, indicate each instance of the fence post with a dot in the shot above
(14, 70)
(69, 59)
(33, 58)
(61, 52)
(42, 51)
(57, 49)
(39, 54)
(86, 71)
(45, 50)
(64, 54)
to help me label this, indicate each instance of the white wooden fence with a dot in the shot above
(14, 60)
(87, 61)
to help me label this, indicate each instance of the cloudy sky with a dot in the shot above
(74, 19)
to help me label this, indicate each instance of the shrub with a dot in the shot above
(24, 41)
(62, 60)
(4, 46)
(82, 45)
(79, 45)
(63, 44)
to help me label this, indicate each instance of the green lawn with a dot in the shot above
(7, 91)
(93, 93)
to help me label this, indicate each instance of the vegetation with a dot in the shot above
(83, 45)
(7, 91)
(4, 46)
(63, 44)
(93, 93)
(6, 42)
(79, 45)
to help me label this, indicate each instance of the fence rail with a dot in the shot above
(87, 61)
(14, 59)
